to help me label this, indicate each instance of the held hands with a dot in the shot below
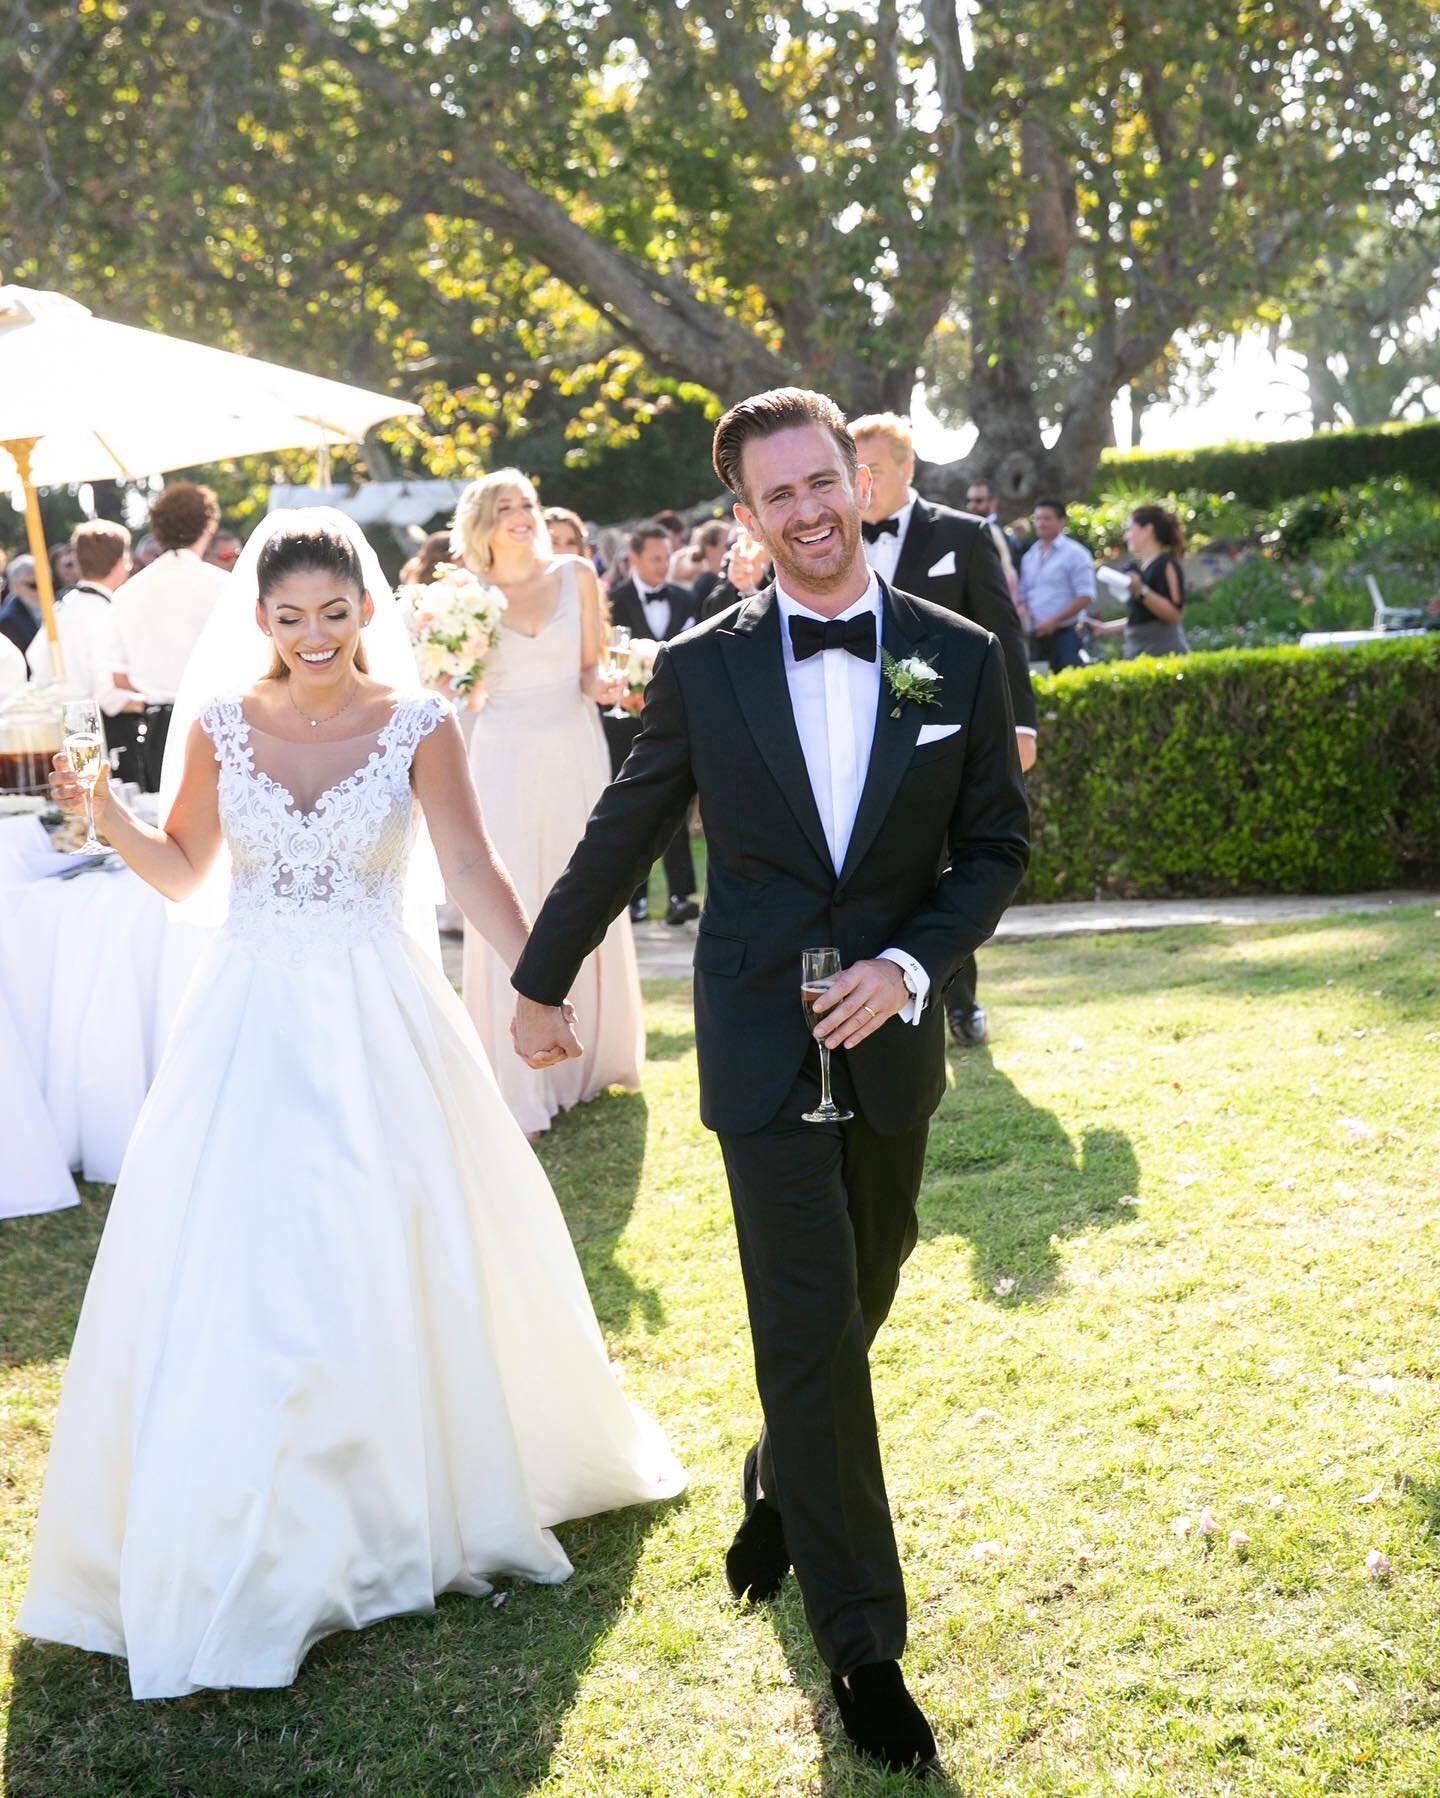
(69, 795)
(544, 1035)
(858, 1000)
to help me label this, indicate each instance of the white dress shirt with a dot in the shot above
(158, 616)
(883, 554)
(87, 642)
(835, 696)
(656, 606)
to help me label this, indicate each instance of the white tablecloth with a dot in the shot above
(91, 974)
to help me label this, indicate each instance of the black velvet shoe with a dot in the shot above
(681, 910)
(758, 1560)
(969, 1027)
(640, 909)
(883, 1721)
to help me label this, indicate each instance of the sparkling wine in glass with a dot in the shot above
(614, 662)
(85, 751)
(818, 967)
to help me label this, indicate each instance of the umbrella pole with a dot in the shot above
(20, 451)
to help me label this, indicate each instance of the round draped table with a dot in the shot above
(91, 973)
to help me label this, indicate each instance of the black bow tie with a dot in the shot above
(885, 527)
(808, 636)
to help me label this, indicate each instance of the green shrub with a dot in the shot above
(1268, 770)
(1259, 473)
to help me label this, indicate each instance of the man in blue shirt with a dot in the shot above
(1057, 584)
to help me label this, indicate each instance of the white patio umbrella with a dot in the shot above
(82, 399)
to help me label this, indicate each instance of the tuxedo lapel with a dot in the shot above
(903, 633)
(913, 561)
(755, 660)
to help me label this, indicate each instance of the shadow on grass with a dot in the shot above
(843, 1774)
(1001, 1172)
(594, 1156)
(668, 1045)
(471, 1699)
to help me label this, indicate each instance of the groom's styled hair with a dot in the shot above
(762, 415)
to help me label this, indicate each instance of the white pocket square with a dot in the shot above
(946, 564)
(935, 733)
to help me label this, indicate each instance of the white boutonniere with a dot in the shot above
(911, 682)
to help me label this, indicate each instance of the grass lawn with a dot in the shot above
(1178, 1266)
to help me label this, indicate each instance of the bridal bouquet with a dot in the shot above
(641, 664)
(454, 623)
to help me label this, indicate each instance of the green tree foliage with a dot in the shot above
(533, 213)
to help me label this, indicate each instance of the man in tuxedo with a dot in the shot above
(838, 813)
(950, 559)
(650, 605)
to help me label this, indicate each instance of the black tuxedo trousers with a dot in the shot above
(824, 1214)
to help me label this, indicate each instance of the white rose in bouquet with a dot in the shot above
(454, 624)
(640, 664)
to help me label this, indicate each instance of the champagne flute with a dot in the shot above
(617, 651)
(85, 751)
(817, 968)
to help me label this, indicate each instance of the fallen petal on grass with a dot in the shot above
(1205, 1524)
(1377, 1565)
(1373, 1496)
(1003, 1287)
(1239, 1541)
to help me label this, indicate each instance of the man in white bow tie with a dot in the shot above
(948, 558)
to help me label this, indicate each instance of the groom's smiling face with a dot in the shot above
(803, 504)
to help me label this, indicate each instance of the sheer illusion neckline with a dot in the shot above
(309, 814)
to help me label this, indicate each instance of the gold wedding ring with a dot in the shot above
(869, 1008)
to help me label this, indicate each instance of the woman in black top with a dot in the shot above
(1156, 540)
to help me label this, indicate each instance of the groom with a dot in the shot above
(838, 811)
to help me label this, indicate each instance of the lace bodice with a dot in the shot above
(333, 874)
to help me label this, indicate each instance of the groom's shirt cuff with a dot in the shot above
(916, 979)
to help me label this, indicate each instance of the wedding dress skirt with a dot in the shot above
(336, 1355)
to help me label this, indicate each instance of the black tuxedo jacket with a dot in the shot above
(939, 846)
(626, 608)
(976, 589)
(17, 622)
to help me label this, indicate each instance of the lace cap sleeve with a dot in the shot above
(224, 723)
(416, 718)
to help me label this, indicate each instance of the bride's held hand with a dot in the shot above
(544, 1035)
(69, 795)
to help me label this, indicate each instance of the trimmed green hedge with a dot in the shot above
(1264, 770)
(1259, 473)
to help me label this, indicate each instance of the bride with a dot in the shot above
(336, 1355)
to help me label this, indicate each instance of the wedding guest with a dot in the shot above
(63, 569)
(87, 640)
(952, 560)
(420, 569)
(146, 551)
(20, 616)
(980, 499)
(1057, 584)
(537, 755)
(745, 570)
(711, 542)
(648, 604)
(1153, 619)
(567, 532)
(224, 550)
(159, 614)
(684, 562)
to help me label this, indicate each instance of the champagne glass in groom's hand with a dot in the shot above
(817, 968)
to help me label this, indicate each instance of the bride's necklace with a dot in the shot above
(315, 723)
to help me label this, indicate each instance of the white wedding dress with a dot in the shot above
(336, 1355)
